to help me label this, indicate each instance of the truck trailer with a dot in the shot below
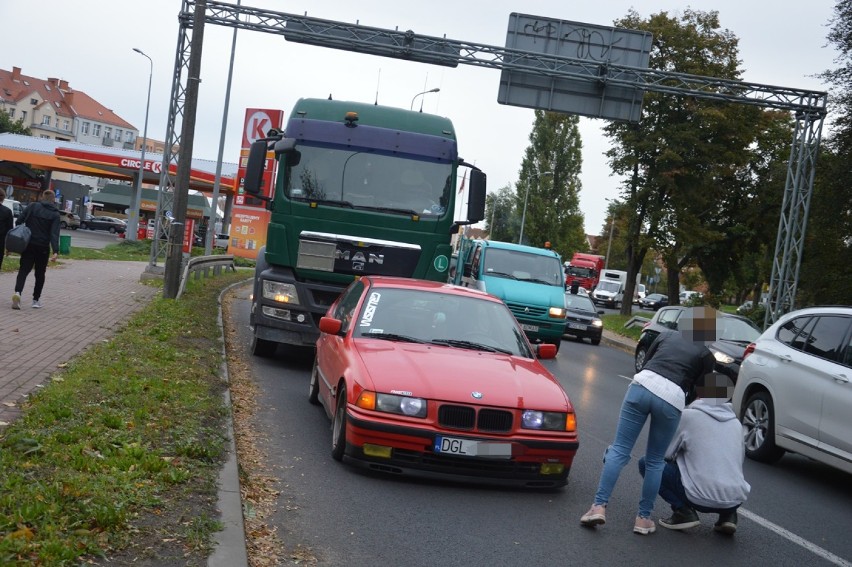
(361, 189)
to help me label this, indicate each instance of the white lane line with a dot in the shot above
(812, 547)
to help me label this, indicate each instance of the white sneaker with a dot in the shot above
(16, 301)
(36, 304)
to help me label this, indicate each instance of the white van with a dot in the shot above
(15, 207)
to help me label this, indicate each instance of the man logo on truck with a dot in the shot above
(359, 260)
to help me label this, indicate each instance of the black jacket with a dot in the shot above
(43, 220)
(680, 360)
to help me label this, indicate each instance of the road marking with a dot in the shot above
(812, 547)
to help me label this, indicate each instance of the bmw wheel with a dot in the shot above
(338, 426)
(759, 429)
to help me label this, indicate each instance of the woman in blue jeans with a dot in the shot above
(675, 361)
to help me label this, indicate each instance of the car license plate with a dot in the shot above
(578, 326)
(530, 328)
(471, 448)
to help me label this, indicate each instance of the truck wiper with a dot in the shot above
(394, 337)
(501, 274)
(536, 280)
(470, 345)
(334, 203)
(393, 210)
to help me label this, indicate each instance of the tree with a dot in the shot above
(680, 161)
(502, 219)
(550, 172)
(15, 127)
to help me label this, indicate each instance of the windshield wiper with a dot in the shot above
(502, 274)
(334, 203)
(536, 280)
(393, 337)
(471, 345)
(395, 210)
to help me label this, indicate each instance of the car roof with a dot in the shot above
(815, 310)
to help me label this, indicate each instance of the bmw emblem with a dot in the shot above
(476, 395)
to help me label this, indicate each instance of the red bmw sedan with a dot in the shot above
(433, 380)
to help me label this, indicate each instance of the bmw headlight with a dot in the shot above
(722, 358)
(280, 292)
(403, 405)
(548, 420)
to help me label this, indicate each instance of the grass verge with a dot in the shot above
(115, 461)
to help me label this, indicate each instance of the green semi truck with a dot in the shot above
(360, 189)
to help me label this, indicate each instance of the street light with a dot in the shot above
(136, 202)
(611, 226)
(435, 90)
(526, 196)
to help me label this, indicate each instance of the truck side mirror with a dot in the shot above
(253, 183)
(476, 196)
(468, 270)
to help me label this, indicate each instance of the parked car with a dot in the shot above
(434, 380)
(794, 392)
(733, 335)
(68, 219)
(654, 301)
(639, 293)
(221, 241)
(100, 222)
(583, 320)
(16, 207)
(686, 296)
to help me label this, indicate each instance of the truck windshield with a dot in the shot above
(523, 266)
(370, 180)
(580, 272)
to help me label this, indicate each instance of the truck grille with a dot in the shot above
(520, 310)
(467, 418)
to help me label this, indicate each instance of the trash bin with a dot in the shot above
(64, 243)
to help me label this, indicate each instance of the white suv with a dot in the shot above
(794, 390)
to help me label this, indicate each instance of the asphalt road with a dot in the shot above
(799, 512)
(90, 238)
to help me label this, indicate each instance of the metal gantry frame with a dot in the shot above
(809, 107)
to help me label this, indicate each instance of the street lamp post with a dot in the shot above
(526, 197)
(611, 226)
(435, 90)
(136, 202)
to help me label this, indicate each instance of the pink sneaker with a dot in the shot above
(596, 516)
(644, 526)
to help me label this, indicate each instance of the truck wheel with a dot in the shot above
(262, 347)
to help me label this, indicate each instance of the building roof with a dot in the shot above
(15, 87)
(105, 161)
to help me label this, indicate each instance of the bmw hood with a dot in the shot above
(460, 375)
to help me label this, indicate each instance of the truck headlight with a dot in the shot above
(557, 312)
(280, 292)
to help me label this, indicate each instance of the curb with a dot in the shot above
(230, 550)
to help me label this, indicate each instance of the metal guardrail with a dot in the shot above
(201, 266)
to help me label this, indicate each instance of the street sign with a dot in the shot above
(592, 47)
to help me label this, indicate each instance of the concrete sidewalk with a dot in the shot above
(84, 302)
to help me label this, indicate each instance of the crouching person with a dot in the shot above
(704, 462)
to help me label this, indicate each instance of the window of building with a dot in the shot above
(33, 101)
(11, 113)
(84, 128)
(66, 125)
(107, 132)
(118, 134)
(128, 136)
(45, 120)
(96, 129)
(24, 115)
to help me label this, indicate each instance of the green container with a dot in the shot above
(64, 243)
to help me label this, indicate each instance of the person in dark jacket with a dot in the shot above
(7, 222)
(676, 360)
(42, 218)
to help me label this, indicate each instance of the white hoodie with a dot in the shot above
(709, 450)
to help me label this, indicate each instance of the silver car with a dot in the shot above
(794, 391)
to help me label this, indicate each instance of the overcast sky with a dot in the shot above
(89, 43)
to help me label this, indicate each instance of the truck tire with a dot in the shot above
(262, 347)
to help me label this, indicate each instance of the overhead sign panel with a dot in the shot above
(374, 41)
(560, 58)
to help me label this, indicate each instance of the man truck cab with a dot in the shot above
(529, 280)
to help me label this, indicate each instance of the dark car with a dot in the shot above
(654, 301)
(583, 318)
(111, 224)
(734, 334)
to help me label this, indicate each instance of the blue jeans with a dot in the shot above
(672, 491)
(639, 403)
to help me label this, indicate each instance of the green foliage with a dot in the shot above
(615, 323)
(12, 126)
(115, 451)
(550, 184)
(503, 219)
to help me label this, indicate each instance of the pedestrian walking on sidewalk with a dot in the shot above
(7, 221)
(704, 463)
(676, 360)
(42, 218)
